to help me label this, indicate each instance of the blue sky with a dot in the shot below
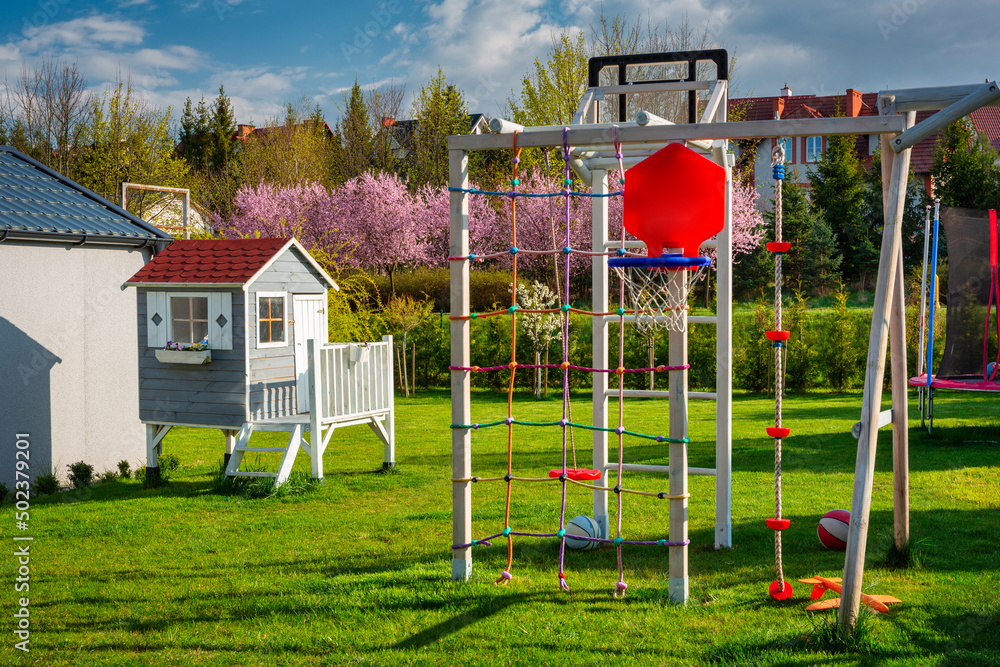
(267, 52)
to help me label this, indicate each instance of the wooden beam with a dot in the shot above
(678, 429)
(582, 111)
(600, 276)
(585, 135)
(461, 439)
(714, 101)
(864, 469)
(988, 93)
(932, 99)
(656, 87)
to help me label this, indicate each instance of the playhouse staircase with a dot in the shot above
(242, 446)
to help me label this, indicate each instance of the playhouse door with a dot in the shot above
(310, 322)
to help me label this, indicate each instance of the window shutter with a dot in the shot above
(220, 321)
(156, 319)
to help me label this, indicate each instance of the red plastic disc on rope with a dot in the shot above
(775, 246)
(776, 592)
(778, 335)
(778, 524)
(578, 474)
(778, 431)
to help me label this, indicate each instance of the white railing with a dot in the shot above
(349, 384)
(355, 379)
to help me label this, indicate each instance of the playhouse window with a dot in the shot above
(271, 319)
(189, 319)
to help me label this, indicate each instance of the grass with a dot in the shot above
(356, 570)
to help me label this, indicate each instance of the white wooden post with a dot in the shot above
(230, 443)
(599, 282)
(678, 381)
(317, 405)
(154, 447)
(724, 372)
(389, 399)
(864, 470)
(461, 440)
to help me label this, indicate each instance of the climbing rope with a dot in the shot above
(779, 589)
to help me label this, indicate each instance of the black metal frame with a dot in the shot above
(719, 56)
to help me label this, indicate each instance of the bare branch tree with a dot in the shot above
(623, 36)
(384, 102)
(45, 111)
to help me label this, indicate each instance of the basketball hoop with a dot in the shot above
(657, 288)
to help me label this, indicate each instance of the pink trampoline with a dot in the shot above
(971, 356)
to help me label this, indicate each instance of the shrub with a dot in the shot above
(124, 469)
(109, 476)
(168, 462)
(46, 485)
(752, 352)
(4, 491)
(841, 355)
(81, 474)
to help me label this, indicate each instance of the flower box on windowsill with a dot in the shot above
(184, 356)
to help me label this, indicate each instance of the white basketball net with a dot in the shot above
(658, 295)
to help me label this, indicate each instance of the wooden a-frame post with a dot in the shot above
(887, 315)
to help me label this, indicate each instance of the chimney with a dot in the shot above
(777, 107)
(853, 103)
(785, 92)
(243, 131)
(388, 121)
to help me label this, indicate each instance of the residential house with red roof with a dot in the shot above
(802, 153)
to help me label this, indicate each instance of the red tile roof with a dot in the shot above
(764, 108)
(209, 261)
(986, 120)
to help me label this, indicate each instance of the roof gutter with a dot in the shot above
(85, 239)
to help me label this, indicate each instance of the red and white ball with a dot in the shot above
(832, 529)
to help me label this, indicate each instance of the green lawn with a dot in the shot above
(357, 570)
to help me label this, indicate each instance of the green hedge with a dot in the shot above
(827, 350)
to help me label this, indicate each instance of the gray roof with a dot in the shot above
(38, 203)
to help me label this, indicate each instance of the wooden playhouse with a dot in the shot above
(225, 341)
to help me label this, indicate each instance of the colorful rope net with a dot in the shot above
(779, 589)
(564, 475)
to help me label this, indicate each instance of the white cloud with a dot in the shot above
(484, 46)
(174, 57)
(83, 33)
(261, 82)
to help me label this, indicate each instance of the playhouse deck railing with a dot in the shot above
(352, 383)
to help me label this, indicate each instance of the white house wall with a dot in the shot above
(68, 367)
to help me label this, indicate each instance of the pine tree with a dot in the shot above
(797, 222)
(195, 136)
(222, 128)
(838, 193)
(965, 168)
(873, 212)
(439, 111)
(354, 129)
(821, 265)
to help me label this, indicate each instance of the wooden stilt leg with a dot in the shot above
(900, 409)
(857, 536)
